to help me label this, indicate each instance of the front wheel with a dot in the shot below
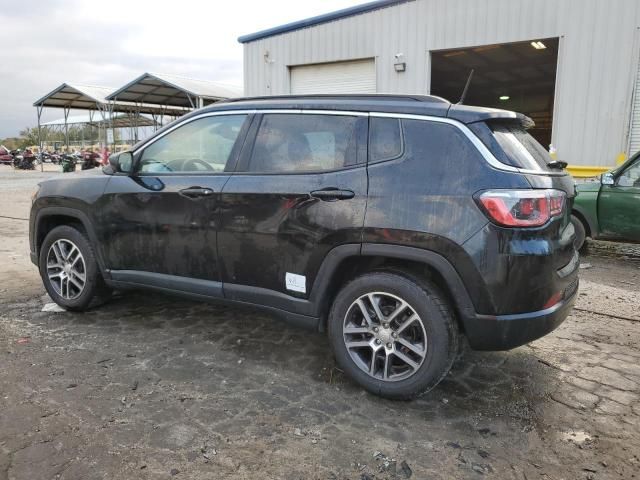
(393, 334)
(69, 269)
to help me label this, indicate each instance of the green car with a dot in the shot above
(610, 207)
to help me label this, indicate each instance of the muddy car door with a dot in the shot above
(619, 204)
(159, 223)
(299, 191)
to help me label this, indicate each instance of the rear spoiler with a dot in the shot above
(467, 114)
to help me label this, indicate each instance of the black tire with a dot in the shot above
(581, 232)
(438, 321)
(94, 289)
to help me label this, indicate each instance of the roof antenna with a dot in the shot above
(466, 88)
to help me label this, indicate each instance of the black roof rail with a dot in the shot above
(319, 96)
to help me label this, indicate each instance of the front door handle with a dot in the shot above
(196, 192)
(331, 194)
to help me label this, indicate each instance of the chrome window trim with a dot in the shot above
(292, 111)
(481, 147)
(336, 112)
(298, 111)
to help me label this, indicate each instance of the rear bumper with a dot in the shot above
(503, 332)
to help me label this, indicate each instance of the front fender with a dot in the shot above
(590, 216)
(585, 205)
(38, 221)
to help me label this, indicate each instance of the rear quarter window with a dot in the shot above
(517, 147)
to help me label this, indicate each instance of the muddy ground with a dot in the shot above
(152, 387)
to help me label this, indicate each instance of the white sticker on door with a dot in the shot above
(297, 283)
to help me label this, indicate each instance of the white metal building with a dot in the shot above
(572, 65)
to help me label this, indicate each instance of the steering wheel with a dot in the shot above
(189, 165)
(150, 165)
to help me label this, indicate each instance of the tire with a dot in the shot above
(392, 376)
(581, 233)
(72, 298)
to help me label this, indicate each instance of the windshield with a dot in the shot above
(522, 149)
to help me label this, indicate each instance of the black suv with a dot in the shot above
(397, 224)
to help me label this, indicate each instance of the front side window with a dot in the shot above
(631, 176)
(292, 143)
(201, 146)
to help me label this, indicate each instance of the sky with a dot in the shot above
(44, 43)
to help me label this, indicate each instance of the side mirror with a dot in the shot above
(607, 179)
(121, 162)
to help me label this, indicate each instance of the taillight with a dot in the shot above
(522, 208)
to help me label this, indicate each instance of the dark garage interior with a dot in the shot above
(517, 76)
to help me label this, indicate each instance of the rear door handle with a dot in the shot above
(332, 194)
(196, 192)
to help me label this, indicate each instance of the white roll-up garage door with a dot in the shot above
(634, 134)
(358, 76)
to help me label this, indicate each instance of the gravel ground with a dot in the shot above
(152, 387)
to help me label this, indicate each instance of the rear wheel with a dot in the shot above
(581, 233)
(69, 269)
(393, 334)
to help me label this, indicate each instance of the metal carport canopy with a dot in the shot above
(119, 120)
(173, 90)
(92, 97)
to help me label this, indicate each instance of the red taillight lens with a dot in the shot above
(522, 208)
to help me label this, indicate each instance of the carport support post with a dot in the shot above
(113, 133)
(91, 112)
(102, 109)
(66, 128)
(39, 113)
(136, 123)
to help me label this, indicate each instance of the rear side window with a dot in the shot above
(385, 139)
(292, 143)
(521, 149)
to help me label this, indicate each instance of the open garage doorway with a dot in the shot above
(519, 76)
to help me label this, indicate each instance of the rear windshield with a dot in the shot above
(521, 149)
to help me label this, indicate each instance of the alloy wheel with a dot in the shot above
(66, 269)
(385, 336)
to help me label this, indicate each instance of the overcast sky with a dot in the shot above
(44, 43)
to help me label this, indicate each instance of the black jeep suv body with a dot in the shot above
(395, 223)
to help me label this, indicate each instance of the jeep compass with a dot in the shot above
(398, 225)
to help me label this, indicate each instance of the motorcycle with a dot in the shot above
(24, 160)
(46, 157)
(68, 162)
(90, 160)
(55, 158)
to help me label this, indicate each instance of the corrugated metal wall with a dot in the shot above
(598, 57)
(634, 130)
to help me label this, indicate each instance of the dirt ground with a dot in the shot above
(149, 387)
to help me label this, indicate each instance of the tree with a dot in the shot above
(28, 137)
(11, 143)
